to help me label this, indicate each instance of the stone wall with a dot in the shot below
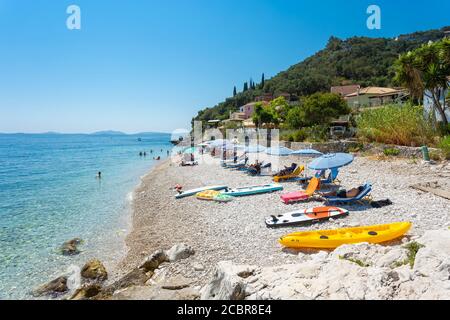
(324, 147)
(350, 145)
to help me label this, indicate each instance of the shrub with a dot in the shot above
(400, 125)
(357, 148)
(436, 156)
(318, 133)
(300, 135)
(391, 152)
(445, 146)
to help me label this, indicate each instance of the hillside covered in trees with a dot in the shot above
(361, 60)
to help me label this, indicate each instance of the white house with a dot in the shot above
(428, 104)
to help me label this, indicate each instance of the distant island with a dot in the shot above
(109, 133)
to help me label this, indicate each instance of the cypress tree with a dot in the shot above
(234, 91)
(245, 86)
(263, 81)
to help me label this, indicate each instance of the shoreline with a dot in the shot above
(236, 231)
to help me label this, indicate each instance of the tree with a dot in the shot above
(263, 82)
(425, 71)
(279, 108)
(252, 84)
(321, 108)
(234, 91)
(263, 115)
(294, 119)
(245, 87)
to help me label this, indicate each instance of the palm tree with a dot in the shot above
(425, 71)
(408, 75)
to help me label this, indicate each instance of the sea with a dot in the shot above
(50, 193)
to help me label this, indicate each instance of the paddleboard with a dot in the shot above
(192, 192)
(207, 195)
(223, 198)
(252, 190)
(305, 216)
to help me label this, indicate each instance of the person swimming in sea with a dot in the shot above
(99, 175)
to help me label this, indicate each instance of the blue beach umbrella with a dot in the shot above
(307, 153)
(228, 145)
(279, 151)
(218, 142)
(331, 161)
(253, 148)
(190, 150)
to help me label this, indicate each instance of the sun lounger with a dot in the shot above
(332, 177)
(228, 162)
(188, 163)
(367, 189)
(297, 172)
(254, 172)
(302, 195)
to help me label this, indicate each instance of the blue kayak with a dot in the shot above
(249, 191)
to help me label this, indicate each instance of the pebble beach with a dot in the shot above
(236, 231)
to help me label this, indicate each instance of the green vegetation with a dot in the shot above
(444, 145)
(426, 69)
(366, 61)
(435, 156)
(412, 248)
(357, 148)
(357, 261)
(391, 152)
(317, 109)
(400, 125)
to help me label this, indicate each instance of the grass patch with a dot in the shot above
(412, 248)
(391, 152)
(356, 148)
(444, 145)
(357, 261)
(394, 124)
(435, 156)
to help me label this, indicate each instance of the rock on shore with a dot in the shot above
(353, 272)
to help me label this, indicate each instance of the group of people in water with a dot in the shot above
(144, 154)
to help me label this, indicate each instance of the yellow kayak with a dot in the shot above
(331, 239)
(207, 195)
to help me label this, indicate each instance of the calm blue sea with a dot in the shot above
(49, 194)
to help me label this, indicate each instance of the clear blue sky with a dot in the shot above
(151, 65)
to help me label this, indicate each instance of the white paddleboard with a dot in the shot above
(305, 216)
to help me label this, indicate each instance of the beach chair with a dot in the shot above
(332, 177)
(228, 162)
(295, 174)
(264, 167)
(302, 195)
(363, 194)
